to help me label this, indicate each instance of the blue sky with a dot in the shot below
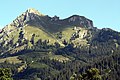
(104, 13)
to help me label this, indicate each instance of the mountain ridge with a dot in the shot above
(50, 48)
(79, 26)
(30, 13)
(49, 25)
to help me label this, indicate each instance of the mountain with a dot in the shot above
(35, 45)
(32, 24)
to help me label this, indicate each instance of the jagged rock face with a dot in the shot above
(55, 18)
(81, 36)
(21, 20)
(80, 21)
(31, 10)
(74, 20)
(32, 16)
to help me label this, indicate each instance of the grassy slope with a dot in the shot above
(67, 33)
(58, 58)
(39, 34)
(11, 60)
(38, 65)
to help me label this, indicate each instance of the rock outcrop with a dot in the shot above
(80, 21)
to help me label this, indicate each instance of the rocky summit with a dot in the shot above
(39, 47)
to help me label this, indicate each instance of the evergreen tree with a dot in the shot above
(5, 74)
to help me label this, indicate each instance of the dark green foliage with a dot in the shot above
(32, 39)
(98, 55)
(21, 35)
(107, 34)
(65, 42)
(101, 59)
(59, 35)
(90, 74)
(5, 74)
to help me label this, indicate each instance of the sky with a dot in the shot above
(103, 13)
